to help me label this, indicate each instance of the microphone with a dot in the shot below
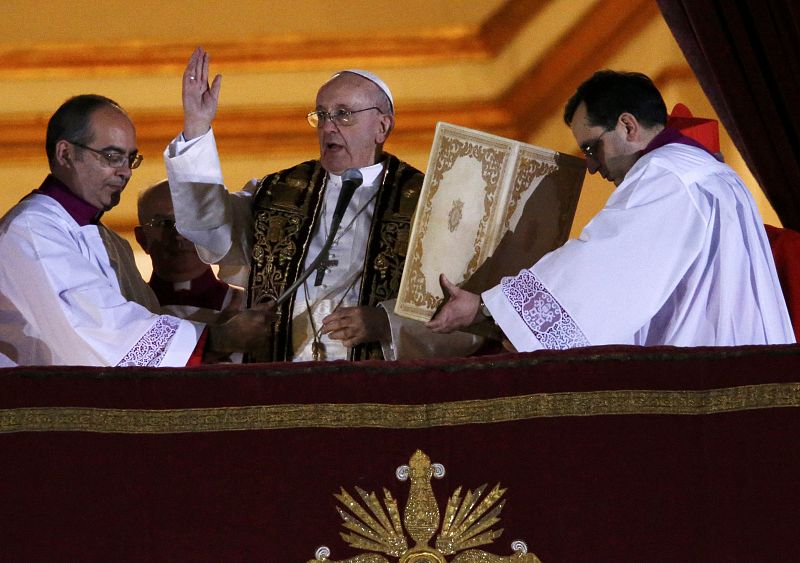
(351, 179)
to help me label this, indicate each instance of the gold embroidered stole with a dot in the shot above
(286, 210)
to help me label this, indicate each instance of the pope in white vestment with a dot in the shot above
(220, 224)
(265, 235)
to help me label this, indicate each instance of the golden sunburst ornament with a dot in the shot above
(467, 523)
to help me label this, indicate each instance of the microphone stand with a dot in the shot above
(351, 179)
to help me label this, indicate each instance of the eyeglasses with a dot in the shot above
(163, 223)
(114, 159)
(343, 117)
(590, 149)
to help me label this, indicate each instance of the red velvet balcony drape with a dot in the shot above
(607, 454)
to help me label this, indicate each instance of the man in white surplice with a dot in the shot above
(678, 255)
(70, 293)
(265, 234)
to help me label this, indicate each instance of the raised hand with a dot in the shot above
(199, 99)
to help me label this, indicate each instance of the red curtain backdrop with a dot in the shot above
(746, 56)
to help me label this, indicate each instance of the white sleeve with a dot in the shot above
(512, 324)
(412, 339)
(6, 362)
(604, 286)
(63, 306)
(220, 223)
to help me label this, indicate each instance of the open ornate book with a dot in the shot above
(489, 207)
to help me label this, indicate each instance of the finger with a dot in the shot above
(203, 74)
(448, 287)
(196, 61)
(332, 326)
(189, 67)
(340, 314)
(201, 60)
(437, 324)
(354, 339)
(329, 323)
(215, 87)
(193, 59)
(438, 329)
(348, 338)
(335, 334)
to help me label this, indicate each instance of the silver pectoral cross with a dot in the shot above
(324, 264)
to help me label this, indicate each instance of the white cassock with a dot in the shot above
(221, 226)
(6, 362)
(678, 256)
(71, 295)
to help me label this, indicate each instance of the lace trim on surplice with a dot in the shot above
(152, 347)
(549, 322)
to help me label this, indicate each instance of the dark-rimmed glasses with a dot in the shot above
(590, 149)
(342, 117)
(114, 159)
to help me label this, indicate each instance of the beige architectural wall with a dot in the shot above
(502, 66)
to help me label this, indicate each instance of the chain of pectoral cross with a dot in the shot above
(317, 346)
(326, 261)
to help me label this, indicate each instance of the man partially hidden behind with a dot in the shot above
(677, 256)
(181, 281)
(70, 292)
(272, 231)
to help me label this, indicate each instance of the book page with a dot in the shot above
(475, 191)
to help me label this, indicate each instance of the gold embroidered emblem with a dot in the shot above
(455, 215)
(467, 523)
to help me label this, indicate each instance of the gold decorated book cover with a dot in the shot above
(489, 207)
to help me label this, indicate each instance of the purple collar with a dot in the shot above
(670, 135)
(83, 213)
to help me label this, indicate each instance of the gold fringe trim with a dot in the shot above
(377, 415)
